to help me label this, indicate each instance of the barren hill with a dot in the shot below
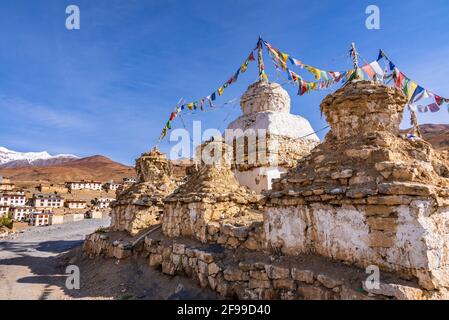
(436, 134)
(91, 168)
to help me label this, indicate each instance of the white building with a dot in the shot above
(75, 204)
(5, 184)
(102, 203)
(112, 186)
(40, 219)
(13, 199)
(56, 219)
(48, 201)
(84, 185)
(21, 213)
(4, 210)
(129, 180)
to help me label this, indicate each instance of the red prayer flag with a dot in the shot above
(369, 71)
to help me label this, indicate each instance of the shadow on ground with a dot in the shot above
(100, 278)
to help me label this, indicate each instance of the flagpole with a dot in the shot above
(260, 59)
(355, 57)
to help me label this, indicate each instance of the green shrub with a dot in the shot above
(6, 222)
(101, 230)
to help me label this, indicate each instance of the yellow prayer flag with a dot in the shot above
(220, 91)
(190, 106)
(284, 57)
(411, 89)
(316, 72)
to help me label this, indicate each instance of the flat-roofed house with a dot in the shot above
(21, 213)
(48, 201)
(4, 210)
(103, 203)
(40, 219)
(84, 185)
(14, 199)
(112, 186)
(76, 204)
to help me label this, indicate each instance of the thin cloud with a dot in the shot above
(42, 115)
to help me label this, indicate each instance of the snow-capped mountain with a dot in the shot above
(14, 159)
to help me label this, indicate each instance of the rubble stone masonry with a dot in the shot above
(366, 196)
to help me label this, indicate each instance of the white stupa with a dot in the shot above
(266, 107)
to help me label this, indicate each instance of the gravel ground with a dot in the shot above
(28, 269)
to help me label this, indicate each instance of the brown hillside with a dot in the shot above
(91, 168)
(436, 134)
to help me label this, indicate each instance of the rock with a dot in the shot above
(179, 248)
(347, 173)
(285, 284)
(397, 291)
(258, 275)
(303, 275)
(276, 272)
(256, 283)
(168, 268)
(329, 282)
(314, 293)
(235, 274)
(213, 268)
(155, 260)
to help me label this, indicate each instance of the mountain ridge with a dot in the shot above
(13, 159)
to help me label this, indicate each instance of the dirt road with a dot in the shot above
(32, 266)
(28, 264)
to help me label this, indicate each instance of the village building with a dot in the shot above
(5, 184)
(21, 213)
(75, 204)
(84, 185)
(129, 180)
(52, 188)
(267, 139)
(103, 203)
(4, 210)
(48, 201)
(40, 219)
(111, 186)
(13, 199)
(56, 219)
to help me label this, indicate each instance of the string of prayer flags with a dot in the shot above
(210, 98)
(327, 78)
(411, 89)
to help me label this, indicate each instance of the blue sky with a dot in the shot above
(109, 87)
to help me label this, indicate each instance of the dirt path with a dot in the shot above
(28, 265)
(32, 266)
